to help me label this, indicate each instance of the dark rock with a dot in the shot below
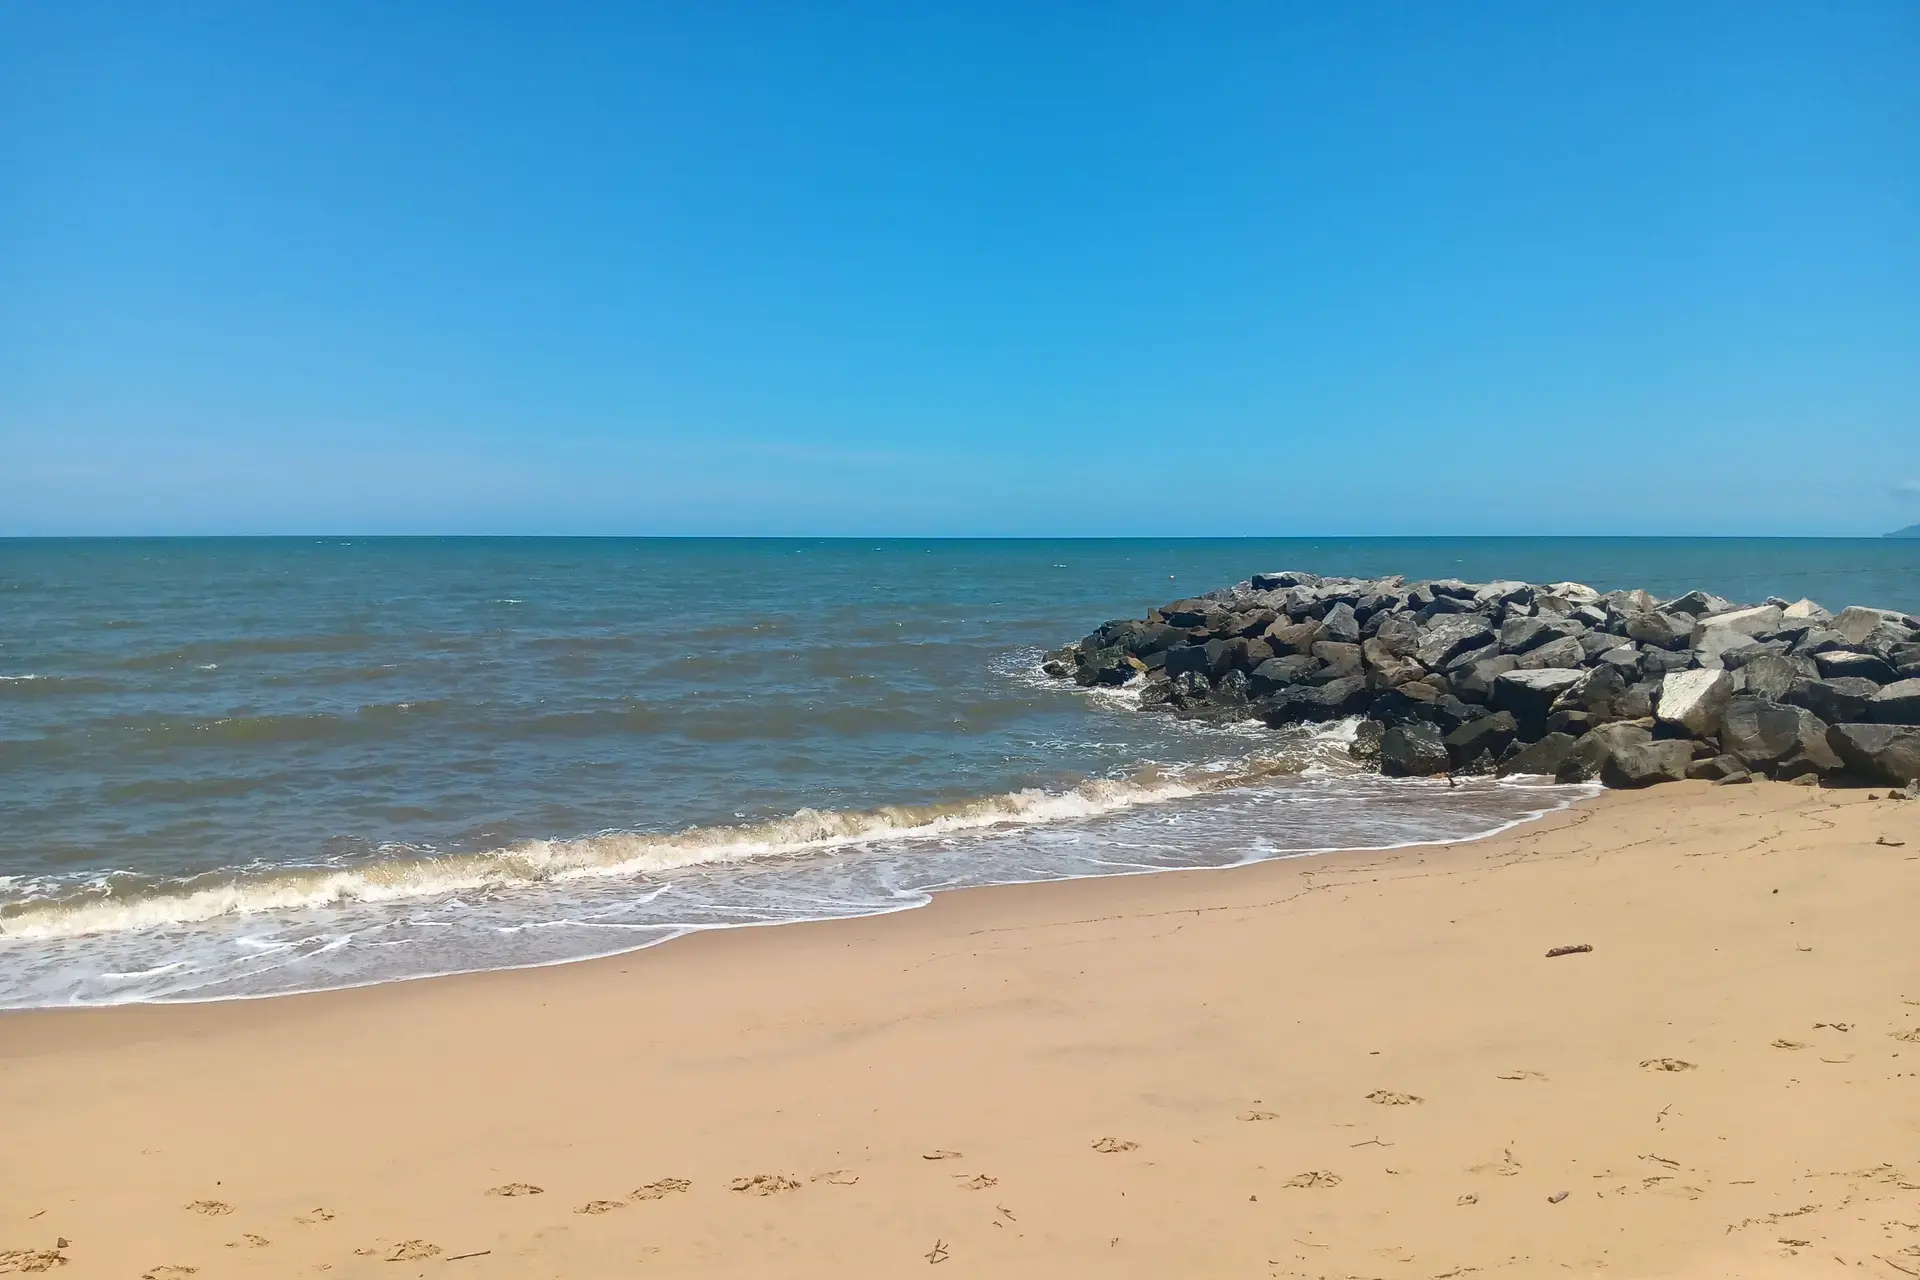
(1571, 721)
(1658, 662)
(1187, 613)
(1293, 637)
(1772, 675)
(1696, 603)
(1898, 703)
(1478, 653)
(1387, 669)
(1591, 749)
(1529, 695)
(1254, 623)
(1413, 750)
(1721, 646)
(1154, 638)
(1475, 682)
(1595, 643)
(1398, 634)
(1450, 713)
(1881, 752)
(1340, 626)
(1188, 659)
(1232, 690)
(1546, 756)
(1489, 734)
(1278, 673)
(1284, 579)
(1623, 658)
(1647, 764)
(1661, 630)
(1445, 637)
(1113, 666)
(1565, 653)
(1747, 655)
(1775, 734)
(1834, 663)
(1366, 741)
(1342, 660)
(1637, 702)
(1334, 700)
(1717, 769)
(1517, 635)
(1835, 701)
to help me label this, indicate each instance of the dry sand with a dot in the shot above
(1356, 1065)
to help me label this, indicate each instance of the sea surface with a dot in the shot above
(234, 768)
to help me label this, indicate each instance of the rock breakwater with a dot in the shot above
(1525, 678)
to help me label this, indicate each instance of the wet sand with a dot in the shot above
(1354, 1065)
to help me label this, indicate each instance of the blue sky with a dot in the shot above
(1100, 268)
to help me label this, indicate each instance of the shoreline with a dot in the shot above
(1020, 1025)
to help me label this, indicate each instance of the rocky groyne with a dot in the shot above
(1557, 679)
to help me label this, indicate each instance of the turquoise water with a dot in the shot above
(241, 767)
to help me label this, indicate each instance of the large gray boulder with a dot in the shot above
(1591, 750)
(1475, 682)
(1882, 752)
(1386, 669)
(1786, 740)
(1398, 634)
(1530, 695)
(1650, 762)
(1761, 621)
(1698, 603)
(1715, 645)
(1292, 637)
(1489, 735)
(1773, 675)
(1661, 630)
(1856, 622)
(1845, 699)
(1805, 608)
(1413, 750)
(1340, 625)
(1545, 757)
(1694, 700)
(1834, 663)
(1898, 703)
(1449, 634)
(1565, 653)
(1517, 635)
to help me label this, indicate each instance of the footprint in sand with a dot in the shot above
(31, 1260)
(248, 1240)
(1314, 1178)
(836, 1177)
(169, 1271)
(312, 1216)
(978, 1182)
(1521, 1075)
(211, 1208)
(1256, 1116)
(1834, 1026)
(940, 1155)
(1506, 1166)
(601, 1206)
(1113, 1146)
(516, 1189)
(660, 1190)
(1668, 1064)
(1469, 1198)
(1388, 1098)
(413, 1251)
(1911, 1035)
(764, 1184)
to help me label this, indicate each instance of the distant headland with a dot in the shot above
(1911, 531)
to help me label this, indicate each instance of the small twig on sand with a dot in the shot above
(480, 1253)
(1577, 949)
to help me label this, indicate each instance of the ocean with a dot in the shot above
(247, 767)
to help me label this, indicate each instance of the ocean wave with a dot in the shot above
(114, 905)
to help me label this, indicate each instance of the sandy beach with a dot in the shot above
(1353, 1065)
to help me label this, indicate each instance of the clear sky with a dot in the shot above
(963, 268)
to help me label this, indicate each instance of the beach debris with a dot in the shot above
(764, 1184)
(1255, 1116)
(1388, 1098)
(169, 1271)
(248, 1240)
(1314, 1178)
(1468, 1198)
(1794, 1244)
(665, 1187)
(1521, 1074)
(1891, 844)
(461, 1257)
(1789, 1044)
(1669, 1064)
(1370, 1142)
(939, 1252)
(1834, 1026)
(210, 1208)
(1556, 1197)
(29, 1261)
(312, 1216)
(940, 1155)
(836, 1177)
(601, 1206)
(516, 1189)
(413, 1251)
(1576, 949)
(1911, 1035)
(978, 1182)
(1113, 1146)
